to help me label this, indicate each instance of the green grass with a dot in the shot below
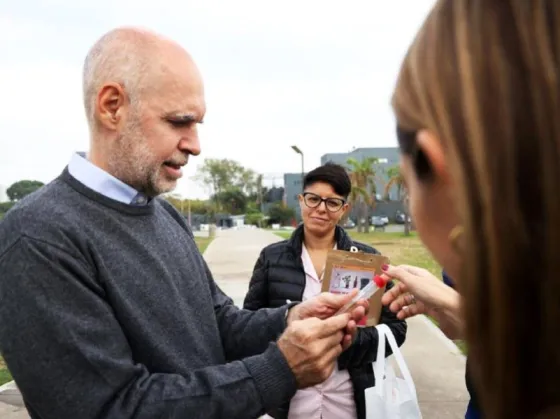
(202, 243)
(5, 375)
(282, 233)
(401, 250)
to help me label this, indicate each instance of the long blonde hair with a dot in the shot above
(483, 75)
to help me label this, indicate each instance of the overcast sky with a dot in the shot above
(315, 73)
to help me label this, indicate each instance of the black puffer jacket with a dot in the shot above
(279, 276)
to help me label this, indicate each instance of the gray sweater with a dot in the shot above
(108, 310)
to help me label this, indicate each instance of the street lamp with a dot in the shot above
(297, 150)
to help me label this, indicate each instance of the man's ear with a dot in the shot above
(110, 106)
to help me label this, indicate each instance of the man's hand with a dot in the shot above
(311, 347)
(326, 305)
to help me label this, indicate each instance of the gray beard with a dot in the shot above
(130, 161)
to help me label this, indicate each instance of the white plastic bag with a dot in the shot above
(391, 397)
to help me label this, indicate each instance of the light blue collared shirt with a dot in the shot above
(102, 182)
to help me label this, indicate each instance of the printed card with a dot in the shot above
(346, 271)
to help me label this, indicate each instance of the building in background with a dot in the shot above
(4, 194)
(274, 194)
(388, 157)
(293, 183)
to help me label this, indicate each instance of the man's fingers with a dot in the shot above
(351, 328)
(338, 300)
(332, 354)
(334, 339)
(347, 341)
(329, 359)
(333, 325)
(358, 313)
(350, 333)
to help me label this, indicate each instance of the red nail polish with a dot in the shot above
(384, 267)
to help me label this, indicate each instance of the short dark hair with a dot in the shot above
(332, 174)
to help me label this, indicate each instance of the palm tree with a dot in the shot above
(362, 175)
(396, 179)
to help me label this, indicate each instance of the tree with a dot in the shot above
(232, 200)
(248, 182)
(396, 179)
(199, 206)
(280, 214)
(23, 188)
(362, 195)
(5, 207)
(219, 176)
(253, 216)
(176, 201)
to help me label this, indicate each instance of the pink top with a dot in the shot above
(334, 398)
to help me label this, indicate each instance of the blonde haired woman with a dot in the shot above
(477, 104)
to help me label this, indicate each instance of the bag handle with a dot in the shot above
(399, 358)
(379, 364)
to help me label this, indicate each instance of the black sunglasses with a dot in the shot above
(332, 204)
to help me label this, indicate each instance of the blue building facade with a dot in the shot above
(293, 184)
(388, 157)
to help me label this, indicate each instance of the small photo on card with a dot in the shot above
(346, 278)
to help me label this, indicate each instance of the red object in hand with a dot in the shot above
(380, 282)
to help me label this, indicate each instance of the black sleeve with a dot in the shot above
(364, 349)
(71, 358)
(257, 294)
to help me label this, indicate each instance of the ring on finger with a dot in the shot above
(412, 299)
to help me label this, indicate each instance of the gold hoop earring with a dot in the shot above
(455, 235)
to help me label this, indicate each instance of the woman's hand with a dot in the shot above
(420, 292)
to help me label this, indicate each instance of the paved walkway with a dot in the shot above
(8, 411)
(232, 256)
(436, 365)
(11, 405)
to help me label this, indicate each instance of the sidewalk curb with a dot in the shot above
(445, 340)
(10, 385)
(10, 394)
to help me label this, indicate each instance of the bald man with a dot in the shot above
(107, 308)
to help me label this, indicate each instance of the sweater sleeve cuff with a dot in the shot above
(273, 377)
(280, 319)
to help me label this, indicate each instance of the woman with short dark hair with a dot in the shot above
(293, 270)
